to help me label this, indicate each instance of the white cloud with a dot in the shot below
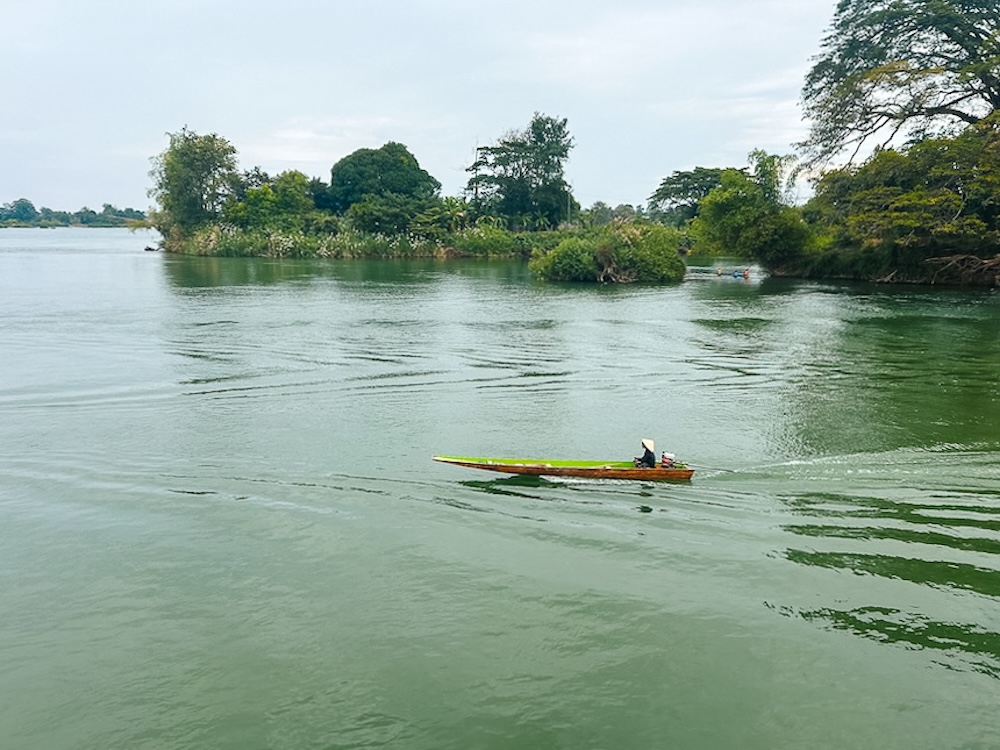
(648, 86)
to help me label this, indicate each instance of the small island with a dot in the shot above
(379, 203)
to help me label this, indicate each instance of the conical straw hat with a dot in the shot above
(648, 443)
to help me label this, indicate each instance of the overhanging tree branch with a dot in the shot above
(907, 65)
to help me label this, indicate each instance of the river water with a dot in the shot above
(220, 526)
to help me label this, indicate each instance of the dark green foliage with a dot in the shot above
(49, 218)
(20, 211)
(192, 179)
(573, 259)
(743, 217)
(620, 253)
(390, 170)
(678, 195)
(386, 214)
(940, 197)
(486, 241)
(892, 65)
(320, 193)
(520, 179)
(444, 217)
(651, 254)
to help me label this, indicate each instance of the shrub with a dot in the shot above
(485, 241)
(573, 259)
(621, 253)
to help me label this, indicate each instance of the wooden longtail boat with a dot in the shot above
(591, 469)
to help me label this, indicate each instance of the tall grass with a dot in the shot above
(475, 242)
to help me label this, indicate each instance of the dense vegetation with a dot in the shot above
(617, 253)
(380, 203)
(22, 213)
(926, 210)
(922, 209)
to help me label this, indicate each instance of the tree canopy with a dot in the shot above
(746, 215)
(889, 67)
(192, 179)
(375, 173)
(520, 179)
(938, 197)
(283, 202)
(678, 194)
(22, 210)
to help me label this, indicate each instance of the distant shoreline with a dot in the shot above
(129, 224)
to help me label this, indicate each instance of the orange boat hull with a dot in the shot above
(593, 470)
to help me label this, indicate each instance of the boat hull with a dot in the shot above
(586, 469)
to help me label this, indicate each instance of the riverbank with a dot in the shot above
(893, 266)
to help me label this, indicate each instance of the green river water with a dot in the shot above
(220, 526)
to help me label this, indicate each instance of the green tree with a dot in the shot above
(598, 215)
(745, 216)
(893, 66)
(246, 181)
(389, 170)
(769, 171)
(388, 214)
(192, 180)
(48, 217)
(282, 203)
(22, 211)
(521, 180)
(939, 196)
(291, 191)
(257, 210)
(320, 193)
(678, 195)
(86, 216)
(448, 216)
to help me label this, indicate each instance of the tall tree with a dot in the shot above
(282, 203)
(937, 197)
(21, 210)
(746, 215)
(678, 194)
(520, 179)
(368, 173)
(192, 179)
(893, 67)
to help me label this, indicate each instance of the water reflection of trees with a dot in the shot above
(951, 575)
(829, 504)
(887, 625)
(193, 272)
(958, 527)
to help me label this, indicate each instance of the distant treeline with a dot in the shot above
(22, 213)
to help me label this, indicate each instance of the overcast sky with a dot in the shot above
(89, 88)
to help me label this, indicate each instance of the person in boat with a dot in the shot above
(648, 458)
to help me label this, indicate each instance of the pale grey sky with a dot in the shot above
(91, 87)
